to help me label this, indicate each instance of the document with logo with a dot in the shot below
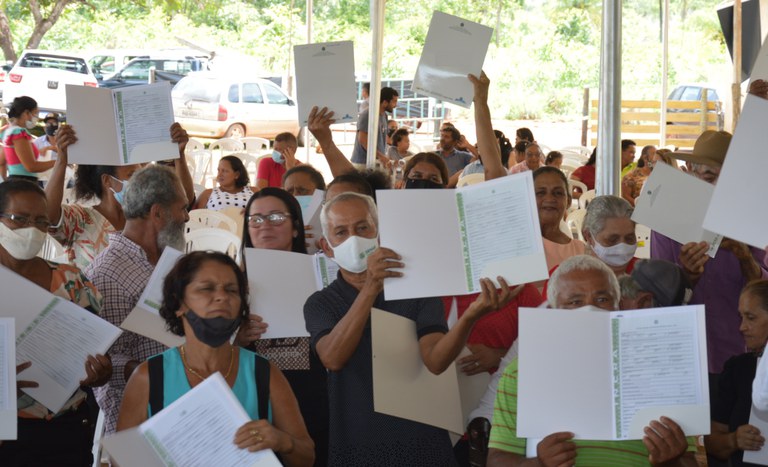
(280, 282)
(145, 317)
(737, 205)
(449, 239)
(453, 49)
(196, 430)
(325, 77)
(8, 416)
(607, 375)
(674, 204)
(310, 212)
(55, 335)
(124, 126)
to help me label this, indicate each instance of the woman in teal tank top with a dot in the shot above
(205, 300)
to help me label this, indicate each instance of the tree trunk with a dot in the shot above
(6, 41)
(43, 25)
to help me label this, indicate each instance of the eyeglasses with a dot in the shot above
(26, 221)
(275, 218)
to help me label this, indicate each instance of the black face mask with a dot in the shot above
(212, 331)
(50, 130)
(421, 183)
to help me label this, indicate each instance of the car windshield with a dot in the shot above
(76, 65)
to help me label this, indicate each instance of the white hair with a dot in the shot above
(603, 208)
(581, 263)
(348, 196)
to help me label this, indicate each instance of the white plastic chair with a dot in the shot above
(236, 214)
(215, 240)
(227, 144)
(52, 250)
(201, 162)
(470, 179)
(213, 220)
(575, 220)
(643, 241)
(193, 145)
(586, 198)
(576, 184)
(251, 164)
(194, 225)
(255, 145)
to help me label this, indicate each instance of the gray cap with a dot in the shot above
(666, 281)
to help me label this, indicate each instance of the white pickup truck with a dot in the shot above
(43, 75)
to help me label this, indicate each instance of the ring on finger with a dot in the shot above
(254, 432)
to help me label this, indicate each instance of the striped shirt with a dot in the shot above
(588, 452)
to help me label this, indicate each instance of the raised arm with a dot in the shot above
(487, 144)
(319, 124)
(179, 136)
(54, 189)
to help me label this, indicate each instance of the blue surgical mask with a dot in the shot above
(277, 157)
(120, 195)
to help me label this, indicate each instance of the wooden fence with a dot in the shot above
(686, 120)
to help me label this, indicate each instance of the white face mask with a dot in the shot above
(31, 123)
(616, 255)
(352, 254)
(22, 244)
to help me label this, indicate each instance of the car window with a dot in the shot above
(234, 93)
(137, 70)
(74, 64)
(252, 94)
(675, 96)
(196, 89)
(690, 93)
(712, 95)
(275, 95)
(103, 63)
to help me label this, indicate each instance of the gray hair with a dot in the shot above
(581, 263)
(629, 287)
(151, 185)
(603, 208)
(348, 196)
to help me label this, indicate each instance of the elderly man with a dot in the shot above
(581, 281)
(717, 282)
(155, 214)
(338, 320)
(654, 283)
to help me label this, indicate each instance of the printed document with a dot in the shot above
(145, 317)
(125, 126)
(8, 416)
(325, 77)
(454, 48)
(607, 375)
(197, 430)
(488, 229)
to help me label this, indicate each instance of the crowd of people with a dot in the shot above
(310, 399)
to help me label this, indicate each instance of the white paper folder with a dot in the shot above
(121, 126)
(449, 239)
(454, 48)
(8, 416)
(606, 375)
(325, 77)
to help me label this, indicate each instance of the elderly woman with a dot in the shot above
(552, 199)
(205, 298)
(731, 432)
(44, 438)
(274, 222)
(83, 227)
(610, 233)
(233, 189)
(534, 158)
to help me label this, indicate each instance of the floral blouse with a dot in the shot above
(84, 233)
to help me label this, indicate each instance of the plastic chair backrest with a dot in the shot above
(227, 144)
(470, 179)
(575, 220)
(251, 164)
(202, 165)
(576, 184)
(255, 145)
(215, 240)
(236, 214)
(213, 220)
(586, 198)
(193, 145)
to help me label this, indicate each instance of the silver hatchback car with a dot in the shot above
(214, 106)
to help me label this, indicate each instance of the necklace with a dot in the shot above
(189, 368)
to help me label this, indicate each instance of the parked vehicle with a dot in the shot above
(211, 105)
(105, 63)
(167, 68)
(43, 75)
(694, 92)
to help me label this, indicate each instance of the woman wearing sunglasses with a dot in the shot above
(273, 221)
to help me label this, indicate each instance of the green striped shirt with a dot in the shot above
(589, 453)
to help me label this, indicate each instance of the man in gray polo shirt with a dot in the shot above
(387, 103)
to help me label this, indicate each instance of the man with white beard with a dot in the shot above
(155, 210)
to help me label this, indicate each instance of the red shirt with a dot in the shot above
(271, 171)
(497, 329)
(586, 173)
